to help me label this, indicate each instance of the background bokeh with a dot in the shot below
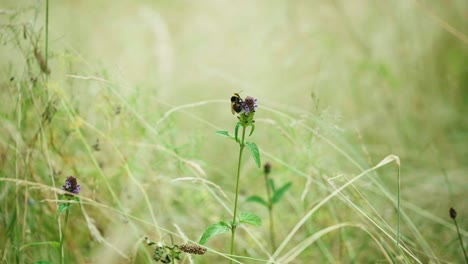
(151, 80)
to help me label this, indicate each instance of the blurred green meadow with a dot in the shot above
(130, 94)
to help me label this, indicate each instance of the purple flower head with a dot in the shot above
(71, 185)
(250, 105)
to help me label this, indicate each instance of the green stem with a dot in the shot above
(47, 43)
(272, 232)
(398, 194)
(173, 248)
(233, 229)
(62, 252)
(270, 212)
(461, 241)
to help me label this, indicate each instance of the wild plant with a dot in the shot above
(246, 111)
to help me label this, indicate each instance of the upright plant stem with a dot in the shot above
(398, 194)
(173, 250)
(270, 212)
(233, 229)
(62, 252)
(461, 240)
(47, 43)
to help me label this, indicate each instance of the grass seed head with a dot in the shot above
(192, 249)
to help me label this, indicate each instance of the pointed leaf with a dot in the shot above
(226, 134)
(272, 185)
(249, 218)
(62, 208)
(252, 129)
(214, 230)
(280, 192)
(42, 262)
(223, 133)
(54, 244)
(255, 152)
(236, 131)
(257, 199)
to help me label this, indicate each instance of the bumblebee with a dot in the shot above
(236, 103)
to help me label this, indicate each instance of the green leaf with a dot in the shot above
(280, 192)
(63, 207)
(54, 244)
(257, 199)
(236, 132)
(42, 262)
(226, 134)
(255, 152)
(272, 185)
(252, 129)
(249, 218)
(12, 224)
(214, 230)
(223, 133)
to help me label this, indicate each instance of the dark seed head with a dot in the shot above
(267, 168)
(192, 249)
(453, 213)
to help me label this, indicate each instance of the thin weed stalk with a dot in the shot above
(398, 205)
(461, 240)
(453, 215)
(234, 227)
(270, 212)
(62, 238)
(47, 43)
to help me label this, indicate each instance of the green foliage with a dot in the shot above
(271, 184)
(335, 131)
(226, 134)
(53, 244)
(63, 207)
(257, 199)
(278, 194)
(43, 262)
(236, 131)
(255, 152)
(250, 218)
(252, 129)
(214, 230)
(223, 133)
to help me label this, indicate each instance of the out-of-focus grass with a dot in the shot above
(340, 84)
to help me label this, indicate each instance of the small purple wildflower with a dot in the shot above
(249, 105)
(71, 185)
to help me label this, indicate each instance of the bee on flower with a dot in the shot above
(245, 108)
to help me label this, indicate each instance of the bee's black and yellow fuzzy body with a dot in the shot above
(236, 104)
